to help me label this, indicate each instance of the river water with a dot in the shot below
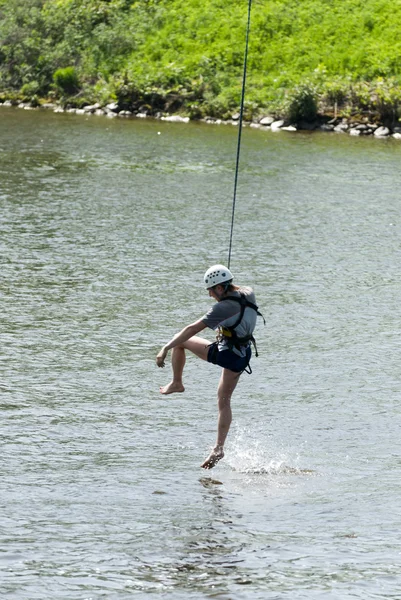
(107, 227)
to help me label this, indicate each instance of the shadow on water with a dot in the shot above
(210, 558)
(212, 550)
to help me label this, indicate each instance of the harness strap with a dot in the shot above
(231, 336)
(244, 303)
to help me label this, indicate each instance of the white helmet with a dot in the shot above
(217, 274)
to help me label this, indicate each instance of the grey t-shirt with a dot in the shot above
(225, 314)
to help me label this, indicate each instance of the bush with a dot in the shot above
(66, 80)
(302, 103)
(127, 94)
(30, 90)
(386, 99)
(361, 96)
(336, 92)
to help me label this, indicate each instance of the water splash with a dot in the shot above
(252, 452)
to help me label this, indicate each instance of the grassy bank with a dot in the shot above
(308, 57)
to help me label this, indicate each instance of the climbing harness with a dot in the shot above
(240, 128)
(230, 336)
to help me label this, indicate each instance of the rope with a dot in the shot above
(241, 115)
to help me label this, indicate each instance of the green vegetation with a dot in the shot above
(305, 56)
(66, 81)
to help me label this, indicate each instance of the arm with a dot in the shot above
(181, 337)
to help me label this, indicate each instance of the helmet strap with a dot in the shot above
(225, 287)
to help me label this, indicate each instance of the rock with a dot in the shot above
(256, 125)
(289, 128)
(125, 113)
(326, 127)
(99, 112)
(397, 136)
(266, 121)
(354, 131)
(277, 125)
(382, 132)
(141, 115)
(113, 107)
(111, 114)
(80, 111)
(48, 105)
(7, 103)
(361, 127)
(341, 127)
(91, 108)
(176, 119)
(235, 117)
(397, 129)
(59, 110)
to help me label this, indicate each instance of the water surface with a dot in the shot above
(107, 227)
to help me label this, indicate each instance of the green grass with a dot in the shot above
(188, 55)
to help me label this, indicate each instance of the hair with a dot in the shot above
(229, 286)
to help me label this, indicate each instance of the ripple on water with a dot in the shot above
(104, 240)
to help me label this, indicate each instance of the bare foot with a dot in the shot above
(213, 458)
(172, 388)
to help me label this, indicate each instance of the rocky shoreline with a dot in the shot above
(337, 125)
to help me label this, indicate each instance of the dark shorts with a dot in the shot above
(228, 359)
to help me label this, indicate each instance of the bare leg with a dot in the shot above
(195, 344)
(178, 364)
(227, 385)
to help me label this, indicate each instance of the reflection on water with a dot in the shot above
(209, 551)
(106, 230)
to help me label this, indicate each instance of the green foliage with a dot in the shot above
(336, 92)
(302, 103)
(66, 80)
(387, 101)
(187, 55)
(380, 98)
(30, 90)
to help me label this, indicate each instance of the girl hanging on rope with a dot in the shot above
(234, 316)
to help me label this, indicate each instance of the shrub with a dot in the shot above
(127, 94)
(386, 100)
(302, 103)
(361, 95)
(66, 80)
(336, 92)
(31, 89)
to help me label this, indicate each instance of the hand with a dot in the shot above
(160, 358)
